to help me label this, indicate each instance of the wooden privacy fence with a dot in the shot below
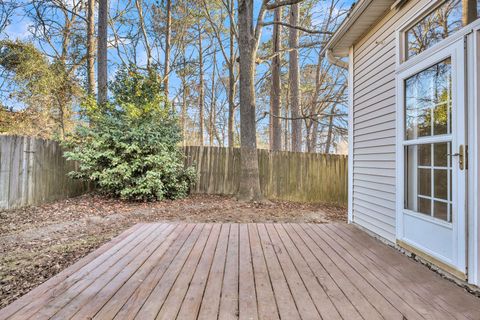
(292, 176)
(33, 171)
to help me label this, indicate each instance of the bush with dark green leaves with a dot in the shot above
(130, 147)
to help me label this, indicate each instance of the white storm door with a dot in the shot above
(432, 149)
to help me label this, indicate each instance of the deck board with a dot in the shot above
(245, 271)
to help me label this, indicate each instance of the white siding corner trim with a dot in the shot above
(350, 135)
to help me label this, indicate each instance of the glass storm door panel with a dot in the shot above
(433, 107)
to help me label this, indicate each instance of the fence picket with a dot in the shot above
(303, 177)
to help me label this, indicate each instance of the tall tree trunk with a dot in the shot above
(286, 122)
(184, 96)
(167, 47)
(328, 143)
(469, 11)
(315, 109)
(102, 51)
(231, 81)
(249, 173)
(313, 137)
(91, 47)
(275, 96)
(294, 79)
(211, 116)
(201, 94)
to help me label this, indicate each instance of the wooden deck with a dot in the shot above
(254, 271)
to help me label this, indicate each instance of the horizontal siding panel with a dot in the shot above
(385, 199)
(389, 173)
(368, 137)
(375, 179)
(381, 88)
(387, 141)
(377, 52)
(385, 133)
(379, 130)
(385, 101)
(378, 59)
(379, 151)
(374, 157)
(386, 234)
(375, 150)
(382, 212)
(376, 75)
(374, 186)
(377, 94)
(375, 164)
(383, 217)
(386, 204)
(376, 110)
(388, 117)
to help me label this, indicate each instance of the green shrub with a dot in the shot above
(131, 148)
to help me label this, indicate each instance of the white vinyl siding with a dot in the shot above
(374, 123)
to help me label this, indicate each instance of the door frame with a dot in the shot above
(472, 32)
(456, 263)
(473, 136)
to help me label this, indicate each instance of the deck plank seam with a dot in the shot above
(338, 287)
(344, 275)
(205, 226)
(212, 233)
(402, 292)
(156, 272)
(362, 281)
(195, 237)
(253, 269)
(178, 229)
(343, 257)
(396, 275)
(129, 259)
(299, 275)
(282, 272)
(307, 265)
(51, 298)
(18, 305)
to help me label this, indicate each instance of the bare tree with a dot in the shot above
(294, 80)
(91, 47)
(201, 92)
(168, 31)
(276, 94)
(249, 35)
(469, 11)
(102, 51)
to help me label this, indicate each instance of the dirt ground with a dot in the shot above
(38, 242)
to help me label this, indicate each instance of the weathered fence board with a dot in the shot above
(293, 176)
(33, 171)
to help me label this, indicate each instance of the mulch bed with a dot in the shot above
(38, 242)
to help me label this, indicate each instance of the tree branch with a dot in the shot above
(281, 3)
(296, 27)
(306, 45)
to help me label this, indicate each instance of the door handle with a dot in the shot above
(461, 154)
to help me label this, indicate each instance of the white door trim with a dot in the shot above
(473, 85)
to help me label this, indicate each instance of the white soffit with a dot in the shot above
(362, 17)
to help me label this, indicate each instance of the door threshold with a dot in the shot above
(433, 261)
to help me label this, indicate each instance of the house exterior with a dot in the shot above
(414, 126)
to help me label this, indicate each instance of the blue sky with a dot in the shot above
(20, 28)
